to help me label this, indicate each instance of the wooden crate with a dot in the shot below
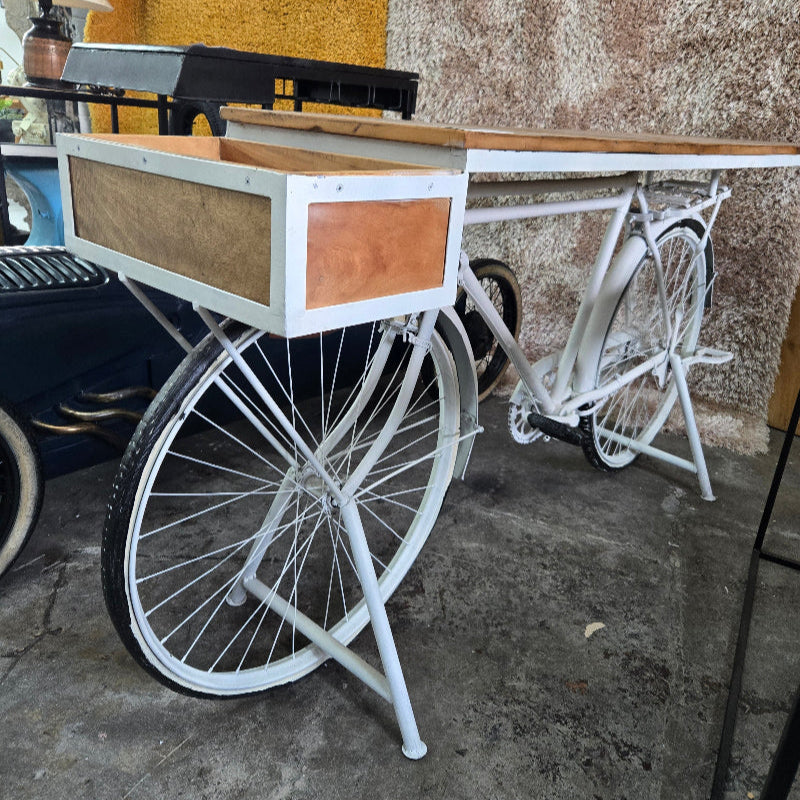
(290, 240)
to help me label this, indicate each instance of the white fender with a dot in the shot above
(452, 331)
(619, 274)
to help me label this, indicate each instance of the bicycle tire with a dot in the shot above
(500, 284)
(185, 113)
(21, 484)
(634, 332)
(187, 628)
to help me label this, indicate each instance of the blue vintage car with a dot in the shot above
(80, 360)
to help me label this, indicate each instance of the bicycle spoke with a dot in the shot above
(236, 439)
(372, 497)
(187, 586)
(197, 514)
(232, 640)
(333, 382)
(405, 467)
(367, 443)
(335, 567)
(271, 427)
(276, 534)
(283, 617)
(210, 464)
(263, 615)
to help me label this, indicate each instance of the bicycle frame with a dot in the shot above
(562, 403)
(568, 398)
(557, 393)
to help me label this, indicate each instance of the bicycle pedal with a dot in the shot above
(554, 429)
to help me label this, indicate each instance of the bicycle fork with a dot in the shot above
(391, 685)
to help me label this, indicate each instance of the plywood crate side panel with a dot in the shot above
(217, 236)
(361, 250)
(192, 146)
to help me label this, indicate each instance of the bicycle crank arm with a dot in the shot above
(555, 429)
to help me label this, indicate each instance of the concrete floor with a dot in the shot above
(512, 698)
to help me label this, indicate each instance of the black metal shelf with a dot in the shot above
(199, 79)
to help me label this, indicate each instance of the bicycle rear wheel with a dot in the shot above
(637, 331)
(500, 284)
(201, 487)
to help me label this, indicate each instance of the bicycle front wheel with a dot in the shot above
(637, 331)
(211, 485)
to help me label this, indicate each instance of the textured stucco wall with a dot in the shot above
(706, 68)
(694, 67)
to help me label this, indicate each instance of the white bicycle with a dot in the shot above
(277, 491)
(635, 335)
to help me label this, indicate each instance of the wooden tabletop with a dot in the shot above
(515, 139)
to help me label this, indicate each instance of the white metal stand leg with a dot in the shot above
(691, 426)
(238, 594)
(413, 746)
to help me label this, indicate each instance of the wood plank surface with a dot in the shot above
(517, 139)
(357, 251)
(217, 236)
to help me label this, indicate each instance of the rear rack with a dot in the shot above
(666, 199)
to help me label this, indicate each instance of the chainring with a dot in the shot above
(519, 407)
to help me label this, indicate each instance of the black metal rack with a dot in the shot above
(199, 79)
(196, 79)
